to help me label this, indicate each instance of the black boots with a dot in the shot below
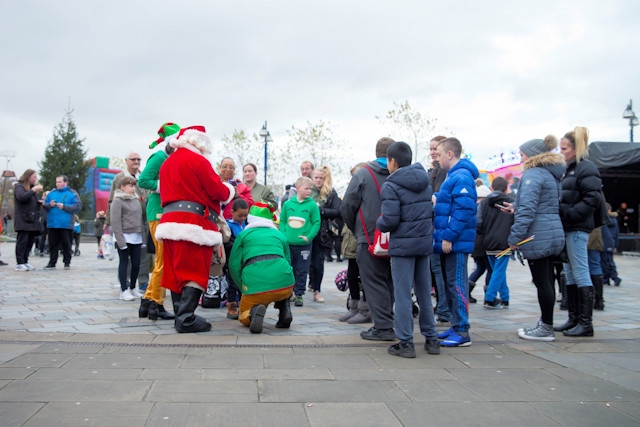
(585, 311)
(175, 299)
(256, 316)
(563, 290)
(186, 319)
(157, 311)
(285, 317)
(571, 295)
(598, 284)
(143, 311)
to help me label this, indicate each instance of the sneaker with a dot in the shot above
(496, 303)
(50, 267)
(100, 256)
(317, 297)
(298, 301)
(30, 267)
(136, 293)
(432, 346)
(3, 263)
(505, 304)
(402, 349)
(232, 311)
(456, 340)
(21, 267)
(540, 332)
(441, 320)
(374, 334)
(127, 295)
(67, 267)
(617, 281)
(446, 334)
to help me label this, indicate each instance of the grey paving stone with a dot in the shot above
(351, 414)
(314, 361)
(18, 413)
(225, 361)
(74, 390)
(588, 390)
(409, 372)
(203, 391)
(582, 414)
(122, 361)
(38, 360)
(312, 391)
(86, 374)
(91, 413)
(502, 374)
(268, 374)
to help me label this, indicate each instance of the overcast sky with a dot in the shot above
(497, 73)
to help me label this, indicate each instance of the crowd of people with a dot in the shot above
(197, 221)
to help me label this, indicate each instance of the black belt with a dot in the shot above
(187, 206)
(259, 258)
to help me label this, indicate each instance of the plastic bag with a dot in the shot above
(106, 246)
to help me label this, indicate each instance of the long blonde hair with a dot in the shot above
(579, 139)
(327, 185)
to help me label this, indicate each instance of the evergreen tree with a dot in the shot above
(65, 155)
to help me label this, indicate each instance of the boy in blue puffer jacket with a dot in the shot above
(454, 236)
(406, 213)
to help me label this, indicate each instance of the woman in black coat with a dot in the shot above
(27, 217)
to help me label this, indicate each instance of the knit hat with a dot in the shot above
(261, 211)
(534, 147)
(166, 130)
(482, 191)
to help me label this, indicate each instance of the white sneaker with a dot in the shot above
(136, 293)
(22, 267)
(30, 267)
(127, 295)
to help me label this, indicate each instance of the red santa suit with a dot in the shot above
(189, 237)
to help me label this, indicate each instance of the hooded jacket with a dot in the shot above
(126, 216)
(62, 218)
(455, 212)
(27, 209)
(407, 212)
(494, 225)
(299, 219)
(581, 186)
(362, 195)
(538, 207)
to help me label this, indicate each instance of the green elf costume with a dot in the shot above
(261, 264)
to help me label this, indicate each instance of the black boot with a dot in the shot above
(175, 299)
(143, 311)
(585, 312)
(285, 317)
(598, 284)
(572, 306)
(157, 311)
(186, 319)
(256, 316)
(563, 290)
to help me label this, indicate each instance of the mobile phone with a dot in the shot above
(233, 182)
(502, 208)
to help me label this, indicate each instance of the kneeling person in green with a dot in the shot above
(261, 264)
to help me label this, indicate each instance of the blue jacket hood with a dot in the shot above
(413, 177)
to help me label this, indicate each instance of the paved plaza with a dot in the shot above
(72, 353)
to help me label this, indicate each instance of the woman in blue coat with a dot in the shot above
(537, 213)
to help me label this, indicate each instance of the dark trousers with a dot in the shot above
(300, 260)
(353, 278)
(24, 243)
(375, 274)
(60, 237)
(542, 276)
(130, 254)
(316, 270)
(482, 266)
(456, 279)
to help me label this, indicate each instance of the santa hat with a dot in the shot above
(193, 137)
(261, 211)
(167, 132)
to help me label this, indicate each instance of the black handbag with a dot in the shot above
(600, 215)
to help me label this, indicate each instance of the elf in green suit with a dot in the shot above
(261, 264)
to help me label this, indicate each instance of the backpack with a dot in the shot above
(341, 281)
(216, 293)
(379, 248)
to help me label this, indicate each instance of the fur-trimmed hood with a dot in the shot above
(126, 196)
(553, 162)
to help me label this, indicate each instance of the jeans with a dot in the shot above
(408, 273)
(482, 266)
(442, 308)
(300, 261)
(577, 269)
(498, 282)
(132, 254)
(593, 257)
(609, 270)
(457, 289)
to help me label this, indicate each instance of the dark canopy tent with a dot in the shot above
(619, 165)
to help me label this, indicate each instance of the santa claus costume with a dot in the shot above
(191, 195)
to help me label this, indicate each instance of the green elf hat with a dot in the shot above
(261, 211)
(166, 130)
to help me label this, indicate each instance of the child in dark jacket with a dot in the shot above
(237, 223)
(494, 226)
(610, 242)
(406, 213)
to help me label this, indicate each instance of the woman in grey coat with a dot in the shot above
(537, 213)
